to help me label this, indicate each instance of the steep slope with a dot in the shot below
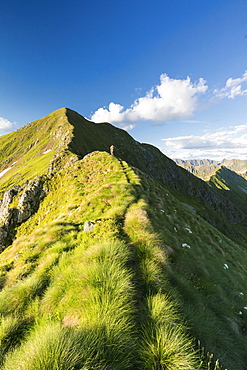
(70, 136)
(115, 262)
(78, 294)
(29, 151)
(206, 201)
(114, 292)
(209, 203)
(233, 185)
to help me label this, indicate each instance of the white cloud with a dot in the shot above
(171, 100)
(234, 87)
(231, 143)
(178, 100)
(113, 114)
(5, 125)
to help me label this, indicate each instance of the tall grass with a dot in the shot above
(92, 291)
(114, 298)
(100, 292)
(49, 347)
(163, 342)
(15, 299)
(12, 331)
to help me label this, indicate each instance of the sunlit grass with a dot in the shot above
(118, 297)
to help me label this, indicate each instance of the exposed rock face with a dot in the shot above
(60, 161)
(30, 199)
(11, 218)
(7, 199)
(28, 203)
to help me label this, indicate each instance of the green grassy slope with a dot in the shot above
(69, 298)
(59, 138)
(207, 201)
(27, 152)
(155, 284)
(137, 292)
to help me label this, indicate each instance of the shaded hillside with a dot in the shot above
(209, 203)
(63, 136)
(111, 262)
(196, 193)
(233, 185)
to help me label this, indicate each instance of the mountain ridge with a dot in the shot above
(126, 261)
(70, 136)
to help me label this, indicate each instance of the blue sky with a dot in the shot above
(172, 72)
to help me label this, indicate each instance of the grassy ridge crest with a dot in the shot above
(139, 289)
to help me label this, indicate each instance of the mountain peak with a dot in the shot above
(111, 254)
(64, 136)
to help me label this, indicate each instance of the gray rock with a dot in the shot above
(11, 218)
(7, 200)
(89, 226)
(8, 197)
(30, 199)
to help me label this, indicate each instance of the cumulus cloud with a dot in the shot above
(171, 100)
(5, 125)
(231, 143)
(234, 87)
(113, 113)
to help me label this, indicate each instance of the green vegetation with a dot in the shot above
(235, 185)
(27, 152)
(150, 286)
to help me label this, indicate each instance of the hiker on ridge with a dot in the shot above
(112, 148)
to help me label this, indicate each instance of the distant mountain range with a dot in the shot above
(205, 167)
(122, 260)
(236, 165)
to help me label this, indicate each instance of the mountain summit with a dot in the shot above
(116, 261)
(64, 136)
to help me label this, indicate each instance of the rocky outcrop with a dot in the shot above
(61, 160)
(28, 198)
(11, 218)
(7, 199)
